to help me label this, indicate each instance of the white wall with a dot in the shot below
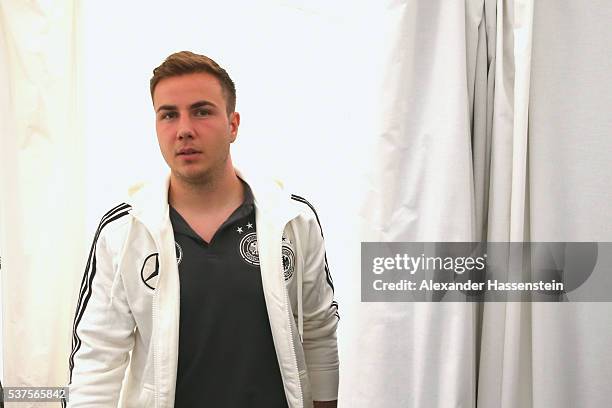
(306, 77)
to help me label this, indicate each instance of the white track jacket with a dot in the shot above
(129, 302)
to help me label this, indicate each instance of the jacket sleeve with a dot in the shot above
(320, 318)
(103, 332)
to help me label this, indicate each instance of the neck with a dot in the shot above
(210, 195)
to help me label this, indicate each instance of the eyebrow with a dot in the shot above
(195, 105)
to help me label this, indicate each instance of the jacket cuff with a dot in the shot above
(324, 385)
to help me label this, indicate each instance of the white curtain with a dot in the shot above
(421, 188)
(4, 109)
(558, 355)
(402, 120)
(41, 159)
(509, 142)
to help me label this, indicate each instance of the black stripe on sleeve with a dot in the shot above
(84, 283)
(327, 273)
(105, 217)
(90, 271)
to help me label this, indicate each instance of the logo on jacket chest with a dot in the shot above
(288, 259)
(149, 273)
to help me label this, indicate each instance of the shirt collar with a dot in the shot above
(181, 226)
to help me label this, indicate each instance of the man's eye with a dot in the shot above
(201, 112)
(167, 115)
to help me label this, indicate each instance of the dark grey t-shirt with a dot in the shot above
(226, 353)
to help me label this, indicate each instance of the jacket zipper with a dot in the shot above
(156, 326)
(155, 368)
(290, 316)
(154, 319)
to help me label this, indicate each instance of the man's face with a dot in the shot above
(193, 129)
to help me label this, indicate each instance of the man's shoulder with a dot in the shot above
(115, 221)
(305, 207)
(307, 213)
(117, 215)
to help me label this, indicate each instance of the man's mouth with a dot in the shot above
(187, 152)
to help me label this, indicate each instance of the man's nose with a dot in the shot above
(185, 127)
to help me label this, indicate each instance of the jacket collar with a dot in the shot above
(150, 200)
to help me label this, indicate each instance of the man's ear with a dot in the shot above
(234, 123)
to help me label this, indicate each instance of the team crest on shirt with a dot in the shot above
(288, 259)
(248, 249)
(250, 253)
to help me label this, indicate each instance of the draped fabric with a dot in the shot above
(404, 120)
(4, 108)
(421, 189)
(558, 355)
(40, 171)
(506, 141)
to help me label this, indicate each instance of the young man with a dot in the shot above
(217, 284)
